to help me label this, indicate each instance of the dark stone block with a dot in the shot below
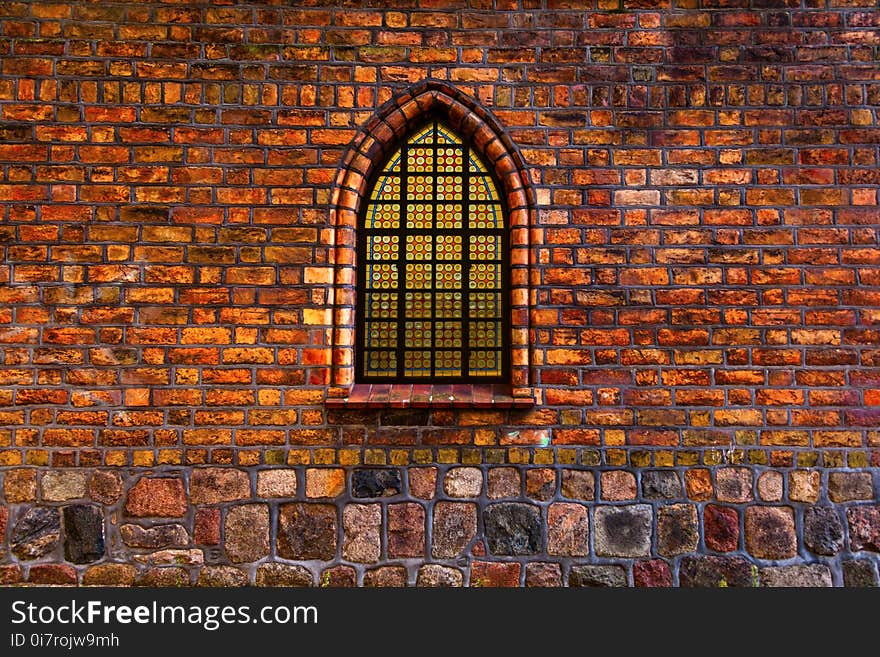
(307, 531)
(678, 529)
(661, 484)
(623, 531)
(712, 572)
(823, 530)
(859, 573)
(405, 417)
(603, 576)
(83, 533)
(512, 528)
(373, 482)
(36, 533)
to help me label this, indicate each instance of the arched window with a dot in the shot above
(433, 266)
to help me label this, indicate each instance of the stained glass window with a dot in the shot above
(432, 266)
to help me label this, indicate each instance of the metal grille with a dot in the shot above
(432, 267)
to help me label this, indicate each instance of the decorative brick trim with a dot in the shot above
(368, 152)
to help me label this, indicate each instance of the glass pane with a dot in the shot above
(484, 304)
(387, 189)
(418, 304)
(418, 334)
(382, 247)
(419, 187)
(446, 136)
(383, 216)
(448, 247)
(382, 276)
(448, 363)
(448, 335)
(485, 275)
(485, 247)
(485, 334)
(419, 215)
(485, 216)
(448, 276)
(394, 163)
(449, 160)
(420, 160)
(485, 363)
(382, 334)
(423, 136)
(381, 362)
(449, 188)
(449, 215)
(418, 275)
(381, 305)
(419, 247)
(475, 164)
(448, 304)
(417, 363)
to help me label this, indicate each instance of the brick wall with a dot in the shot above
(703, 294)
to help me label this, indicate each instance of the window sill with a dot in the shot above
(402, 395)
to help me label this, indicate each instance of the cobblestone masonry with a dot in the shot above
(693, 188)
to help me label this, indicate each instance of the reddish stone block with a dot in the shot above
(539, 574)
(207, 527)
(423, 482)
(568, 530)
(406, 530)
(864, 527)
(618, 485)
(652, 573)
(52, 574)
(494, 574)
(161, 497)
(720, 528)
(338, 577)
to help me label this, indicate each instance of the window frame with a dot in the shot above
(362, 234)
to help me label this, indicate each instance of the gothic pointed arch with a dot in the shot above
(370, 151)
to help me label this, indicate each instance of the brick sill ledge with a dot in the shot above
(401, 395)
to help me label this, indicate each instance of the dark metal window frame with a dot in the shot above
(402, 231)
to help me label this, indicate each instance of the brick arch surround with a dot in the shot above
(368, 152)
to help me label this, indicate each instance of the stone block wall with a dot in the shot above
(697, 297)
